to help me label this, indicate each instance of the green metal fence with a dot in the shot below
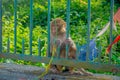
(66, 62)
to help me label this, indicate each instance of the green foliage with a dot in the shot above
(22, 33)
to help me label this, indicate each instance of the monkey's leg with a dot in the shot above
(71, 56)
(59, 68)
(54, 69)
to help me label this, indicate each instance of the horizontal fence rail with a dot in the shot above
(97, 65)
(65, 62)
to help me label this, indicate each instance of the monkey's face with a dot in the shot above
(58, 29)
(58, 26)
(54, 29)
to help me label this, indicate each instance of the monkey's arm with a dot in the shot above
(71, 47)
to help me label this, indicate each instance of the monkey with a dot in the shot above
(58, 38)
(58, 33)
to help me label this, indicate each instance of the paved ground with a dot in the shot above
(25, 72)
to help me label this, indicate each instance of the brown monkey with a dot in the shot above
(58, 38)
(58, 33)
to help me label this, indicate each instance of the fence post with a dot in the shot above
(15, 24)
(0, 26)
(68, 19)
(111, 25)
(68, 25)
(49, 16)
(31, 25)
(88, 29)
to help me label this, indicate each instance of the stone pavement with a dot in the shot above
(10, 71)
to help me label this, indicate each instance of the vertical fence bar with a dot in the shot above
(99, 53)
(39, 47)
(58, 51)
(15, 24)
(8, 45)
(111, 25)
(49, 16)
(68, 25)
(88, 29)
(23, 46)
(31, 25)
(68, 19)
(0, 26)
(77, 52)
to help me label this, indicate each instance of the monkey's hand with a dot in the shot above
(57, 43)
(69, 42)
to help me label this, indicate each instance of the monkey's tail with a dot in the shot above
(49, 64)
